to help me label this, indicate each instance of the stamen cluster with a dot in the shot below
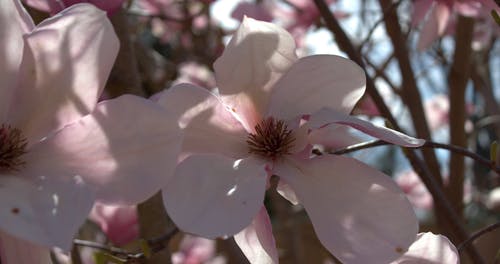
(12, 147)
(272, 139)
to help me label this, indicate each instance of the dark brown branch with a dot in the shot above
(428, 144)
(477, 234)
(457, 82)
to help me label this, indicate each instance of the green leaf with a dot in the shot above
(495, 16)
(105, 258)
(146, 249)
(494, 152)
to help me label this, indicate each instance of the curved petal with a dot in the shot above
(48, 6)
(358, 213)
(314, 82)
(119, 223)
(47, 211)
(435, 25)
(257, 240)
(420, 9)
(327, 116)
(333, 136)
(213, 196)
(14, 22)
(207, 124)
(66, 63)
(18, 251)
(430, 249)
(255, 58)
(287, 192)
(126, 149)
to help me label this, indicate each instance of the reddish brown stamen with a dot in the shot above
(12, 148)
(272, 139)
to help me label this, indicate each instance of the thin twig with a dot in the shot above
(156, 244)
(477, 234)
(376, 24)
(428, 144)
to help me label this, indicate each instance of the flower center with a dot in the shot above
(12, 147)
(272, 139)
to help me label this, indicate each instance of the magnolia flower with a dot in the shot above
(59, 151)
(438, 13)
(430, 248)
(258, 126)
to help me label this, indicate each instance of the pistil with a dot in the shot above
(12, 147)
(272, 139)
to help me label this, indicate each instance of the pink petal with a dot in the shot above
(18, 251)
(257, 240)
(48, 6)
(326, 116)
(14, 22)
(430, 248)
(255, 58)
(213, 196)
(47, 211)
(126, 149)
(415, 190)
(359, 214)
(287, 192)
(334, 136)
(109, 6)
(66, 62)
(208, 126)
(471, 8)
(314, 82)
(119, 223)
(256, 11)
(434, 26)
(195, 250)
(420, 9)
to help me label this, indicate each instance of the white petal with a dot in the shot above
(126, 150)
(66, 62)
(359, 214)
(255, 58)
(430, 249)
(314, 82)
(46, 211)
(14, 22)
(213, 196)
(327, 116)
(257, 241)
(208, 126)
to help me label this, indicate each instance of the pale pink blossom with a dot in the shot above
(429, 248)
(118, 222)
(59, 150)
(414, 188)
(197, 250)
(436, 14)
(195, 73)
(255, 10)
(257, 126)
(437, 111)
(417, 193)
(56, 6)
